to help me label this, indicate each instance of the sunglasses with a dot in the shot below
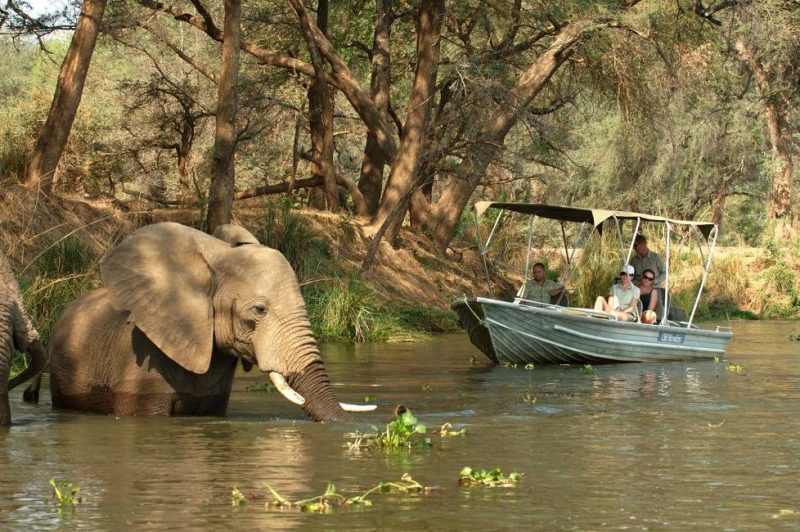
(623, 273)
(649, 278)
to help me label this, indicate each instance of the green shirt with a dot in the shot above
(651, 261)
(539, 292)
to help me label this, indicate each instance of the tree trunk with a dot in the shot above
(779, 205)
(183, 150)
(718, 205)
(320, 104)
(405, 170)
(220, 194)
(371, 181)
(462, 182)
(403, 179)
(69, 88)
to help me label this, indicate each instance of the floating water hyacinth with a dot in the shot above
(489, 479)
(332, 499)
(400, 433)
(65, 494)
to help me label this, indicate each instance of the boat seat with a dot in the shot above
(561, 299)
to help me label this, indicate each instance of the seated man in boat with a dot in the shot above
(540, 288)
(623, 298)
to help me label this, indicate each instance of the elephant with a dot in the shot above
(16, 333)
(178, 310)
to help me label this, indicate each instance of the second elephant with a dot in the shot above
(179, 309)
(16, 334)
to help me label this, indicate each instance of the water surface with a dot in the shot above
(636, 446)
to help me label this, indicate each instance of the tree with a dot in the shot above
(69, 88)
(220, 195)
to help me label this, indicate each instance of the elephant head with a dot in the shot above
(194, 295)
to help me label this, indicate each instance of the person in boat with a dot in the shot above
(644, 259)
(649, 296)
(623, 298)
(540, 288)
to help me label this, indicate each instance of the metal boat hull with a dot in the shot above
(520, 334)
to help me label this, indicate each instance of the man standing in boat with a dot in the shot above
(540, 288)
(644, 259)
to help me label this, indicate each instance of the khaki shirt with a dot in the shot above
(539, 292)
(651, 261)
(624, 296)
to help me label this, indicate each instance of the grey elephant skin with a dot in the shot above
(16, 333)
(179, 309)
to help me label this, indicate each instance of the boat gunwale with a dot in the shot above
(554, 312)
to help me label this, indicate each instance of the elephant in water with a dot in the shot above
(16, 333)
(178, 310)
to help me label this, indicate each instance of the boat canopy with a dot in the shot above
(596, 217)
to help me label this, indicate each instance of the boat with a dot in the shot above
(522, 332)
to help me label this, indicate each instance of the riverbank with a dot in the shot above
(55, 247)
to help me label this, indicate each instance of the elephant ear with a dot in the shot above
(161, 276)
(235, 235)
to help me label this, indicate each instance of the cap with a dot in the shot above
(627, 269)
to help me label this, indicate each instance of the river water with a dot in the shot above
(636, 446)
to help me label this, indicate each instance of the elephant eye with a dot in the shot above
(260, 309)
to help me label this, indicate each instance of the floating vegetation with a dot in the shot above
(718, 425)
(447, 430)
(237, 498)
(716, 359)
(332, 499)
(734, 368)
(265, 387)
(530, 399)
(794, 337)
(473, 360)
(529, 366)
(508, 365)
(400, 433)
(587, 369)
(427, 387)
(65, 494)
(369, 398)
(489, 479)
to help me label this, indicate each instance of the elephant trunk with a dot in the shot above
(320, 402)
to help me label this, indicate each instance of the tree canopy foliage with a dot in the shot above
(410, 110)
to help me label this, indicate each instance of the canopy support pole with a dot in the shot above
(705, 275)
(633, 239)
(528, 255)
(665, 317)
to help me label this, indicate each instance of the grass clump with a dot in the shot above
(595, 273)
(488, 479)
(63, 272)
(285, 231)
(345, 311)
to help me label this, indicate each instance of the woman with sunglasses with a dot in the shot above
(648, 294)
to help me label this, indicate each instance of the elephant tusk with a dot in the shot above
(286, 390)
(347, 407)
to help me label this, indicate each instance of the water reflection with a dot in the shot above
(631, 446)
